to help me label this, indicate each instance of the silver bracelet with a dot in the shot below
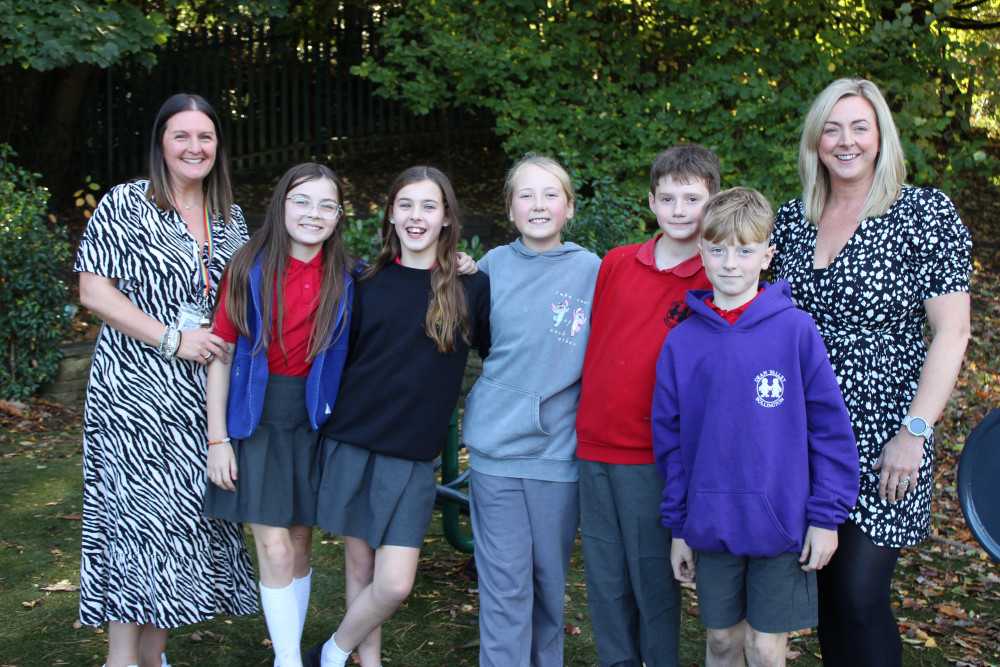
(163, 339)
(173, 341)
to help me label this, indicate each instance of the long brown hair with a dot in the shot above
(218, 191)
(447, 310)
(272, 243)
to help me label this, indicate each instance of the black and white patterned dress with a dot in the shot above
(149, 556)
(868, 305)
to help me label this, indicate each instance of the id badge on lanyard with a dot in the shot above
(191, 315)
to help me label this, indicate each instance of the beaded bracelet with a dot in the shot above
(218, 442)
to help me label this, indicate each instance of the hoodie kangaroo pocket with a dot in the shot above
(740, 522)
(502, 421)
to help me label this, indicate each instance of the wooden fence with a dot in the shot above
(281, 99)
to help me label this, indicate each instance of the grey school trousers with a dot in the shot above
(524, 531)
(634, 600)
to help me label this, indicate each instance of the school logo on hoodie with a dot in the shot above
(770, 388)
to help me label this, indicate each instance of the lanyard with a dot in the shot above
(210, 242)
(206, 278)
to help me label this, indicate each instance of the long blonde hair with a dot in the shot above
(890, 166)
(447, 310)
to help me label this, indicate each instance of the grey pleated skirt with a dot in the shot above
(381, 499)
(278, 475)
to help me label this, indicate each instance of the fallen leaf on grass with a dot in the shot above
(13, 408)
(572, 629)
(952, 610)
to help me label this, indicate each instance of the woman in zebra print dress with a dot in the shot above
(152, 252)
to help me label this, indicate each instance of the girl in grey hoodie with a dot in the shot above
(520, 421)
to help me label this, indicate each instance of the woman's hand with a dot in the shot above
(899, 464)
(948, 316)
(202, 346)
(222, 466)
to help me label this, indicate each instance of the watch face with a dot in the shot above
(917, 426)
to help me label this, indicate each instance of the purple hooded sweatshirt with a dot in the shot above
(750, 431)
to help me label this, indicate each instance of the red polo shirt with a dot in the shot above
(302, 284)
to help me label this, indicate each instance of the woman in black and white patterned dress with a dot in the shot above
(149, 263)
(873, 261)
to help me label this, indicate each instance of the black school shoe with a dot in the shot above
(314, 657)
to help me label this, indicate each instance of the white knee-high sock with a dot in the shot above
(281, 611)
(333, 655)
(302, 587)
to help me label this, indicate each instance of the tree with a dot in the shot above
(50, 48)
(608, 83)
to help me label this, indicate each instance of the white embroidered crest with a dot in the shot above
(770, 388)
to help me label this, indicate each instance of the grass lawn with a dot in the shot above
(946, 592)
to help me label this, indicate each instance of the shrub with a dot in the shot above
(617, 81)
(361, 237)
(33, 296)
(605, 217)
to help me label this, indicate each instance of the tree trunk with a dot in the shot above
(59, 126)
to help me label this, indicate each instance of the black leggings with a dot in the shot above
(856, 625)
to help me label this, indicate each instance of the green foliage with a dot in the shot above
(617, 81)
(47, 34)
(472, 247)
(361, 237)
(33, 295)
(604, 216)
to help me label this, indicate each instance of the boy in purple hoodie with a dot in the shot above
(753, 441)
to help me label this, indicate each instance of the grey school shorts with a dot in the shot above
(772, 594)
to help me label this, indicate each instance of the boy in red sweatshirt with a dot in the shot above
(634, 601)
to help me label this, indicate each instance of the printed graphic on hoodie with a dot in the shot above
(569, 316)
(770, 388)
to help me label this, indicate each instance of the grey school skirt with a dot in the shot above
(277, 475)
(381, 499)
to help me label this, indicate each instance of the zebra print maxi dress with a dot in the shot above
(149, 556)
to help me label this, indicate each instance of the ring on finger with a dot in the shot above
(207, 356)
(904, 482)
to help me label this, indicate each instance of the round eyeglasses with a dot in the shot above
(328, 210)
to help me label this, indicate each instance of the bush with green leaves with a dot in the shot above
(361, 237)
(614, 82)
(606, 216)
(33, 297)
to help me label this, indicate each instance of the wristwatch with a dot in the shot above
(918, 426)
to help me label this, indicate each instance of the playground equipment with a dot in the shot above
(452, 498)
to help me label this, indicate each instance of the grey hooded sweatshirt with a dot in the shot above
(520, 416)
